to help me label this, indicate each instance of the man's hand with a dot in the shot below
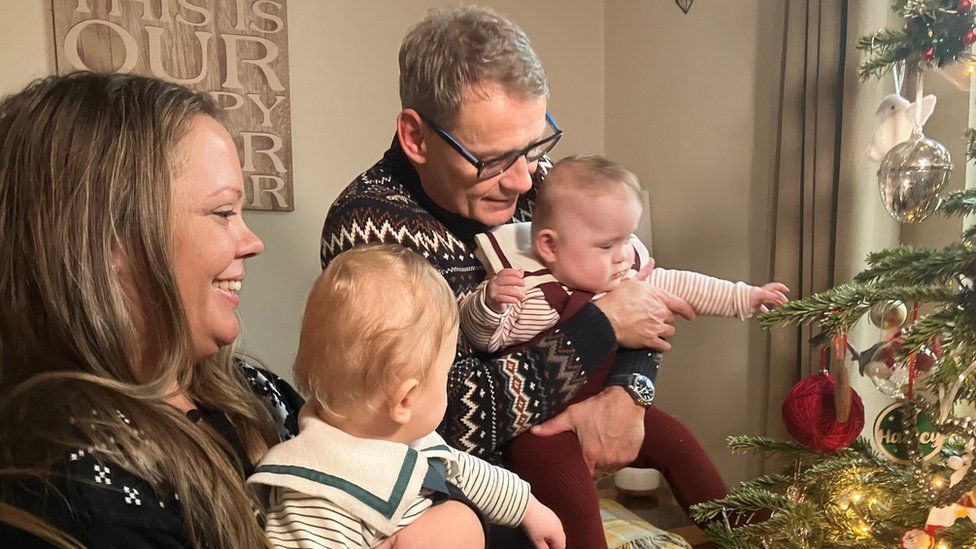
(504, 290)
(610, 428)
(641, 315)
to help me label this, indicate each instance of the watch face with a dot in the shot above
(642, 388)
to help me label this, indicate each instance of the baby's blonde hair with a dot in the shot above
(577, 178)
(377, 315)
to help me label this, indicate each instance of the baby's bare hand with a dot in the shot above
(504, 289)
(772, 294)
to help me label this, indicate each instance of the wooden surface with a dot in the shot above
(235, 50)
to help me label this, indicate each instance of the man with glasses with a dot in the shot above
(470, 148)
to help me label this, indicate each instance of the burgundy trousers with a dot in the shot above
(555, 468)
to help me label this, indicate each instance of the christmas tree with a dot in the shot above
(916, 486)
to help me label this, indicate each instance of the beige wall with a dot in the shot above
(25, 44)
(688, 107)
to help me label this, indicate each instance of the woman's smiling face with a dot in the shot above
(210, 238)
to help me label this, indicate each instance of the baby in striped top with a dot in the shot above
(377, 341)
(581, 239)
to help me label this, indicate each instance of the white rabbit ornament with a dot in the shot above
(896, 120)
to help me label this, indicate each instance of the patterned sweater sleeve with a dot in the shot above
(500, 494)
(707, 295)
(295, 520)
(528, 386)
(489, 331)
(96, 502)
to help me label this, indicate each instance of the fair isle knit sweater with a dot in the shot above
(491, 398)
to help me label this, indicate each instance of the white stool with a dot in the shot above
(637, 482)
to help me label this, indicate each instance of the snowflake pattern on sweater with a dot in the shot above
(101, 504)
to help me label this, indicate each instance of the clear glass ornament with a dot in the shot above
(912, 176)
(891, 376)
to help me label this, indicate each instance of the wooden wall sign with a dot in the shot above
(235, 50)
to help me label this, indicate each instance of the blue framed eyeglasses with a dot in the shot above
(493, 166)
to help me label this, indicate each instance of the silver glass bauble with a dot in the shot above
(912, 176)
(888, 315)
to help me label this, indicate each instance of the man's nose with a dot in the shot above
(517, 177)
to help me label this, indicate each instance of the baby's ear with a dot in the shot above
(403, 399)
(545, 245)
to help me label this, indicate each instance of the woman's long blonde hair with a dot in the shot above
(85, 169)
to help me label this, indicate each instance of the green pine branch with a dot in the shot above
(839, 308)
(961, 534)
(862, 447)
(717, 533)
(884, 49)
(969, 234)
(840, 465)
(909, 266)
(882, 40)
(741, 502)
(766, 482)
(745, 444)
(912, 8)
(786, 525)
(958, 203)
(879, 64)
(968, 391)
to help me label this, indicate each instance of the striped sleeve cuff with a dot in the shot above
(741, 296)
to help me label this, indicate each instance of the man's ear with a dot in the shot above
(410, 132)
(403, 400)
(545, 245)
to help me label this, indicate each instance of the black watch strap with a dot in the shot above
(640, 387)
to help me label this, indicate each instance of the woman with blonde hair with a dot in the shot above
(125, 417)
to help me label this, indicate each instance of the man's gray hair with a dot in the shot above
(451, 50)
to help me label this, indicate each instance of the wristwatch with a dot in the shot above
(641, 389)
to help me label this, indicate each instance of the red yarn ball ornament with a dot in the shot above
(811, 418)
(969, 38)
(963, 6)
